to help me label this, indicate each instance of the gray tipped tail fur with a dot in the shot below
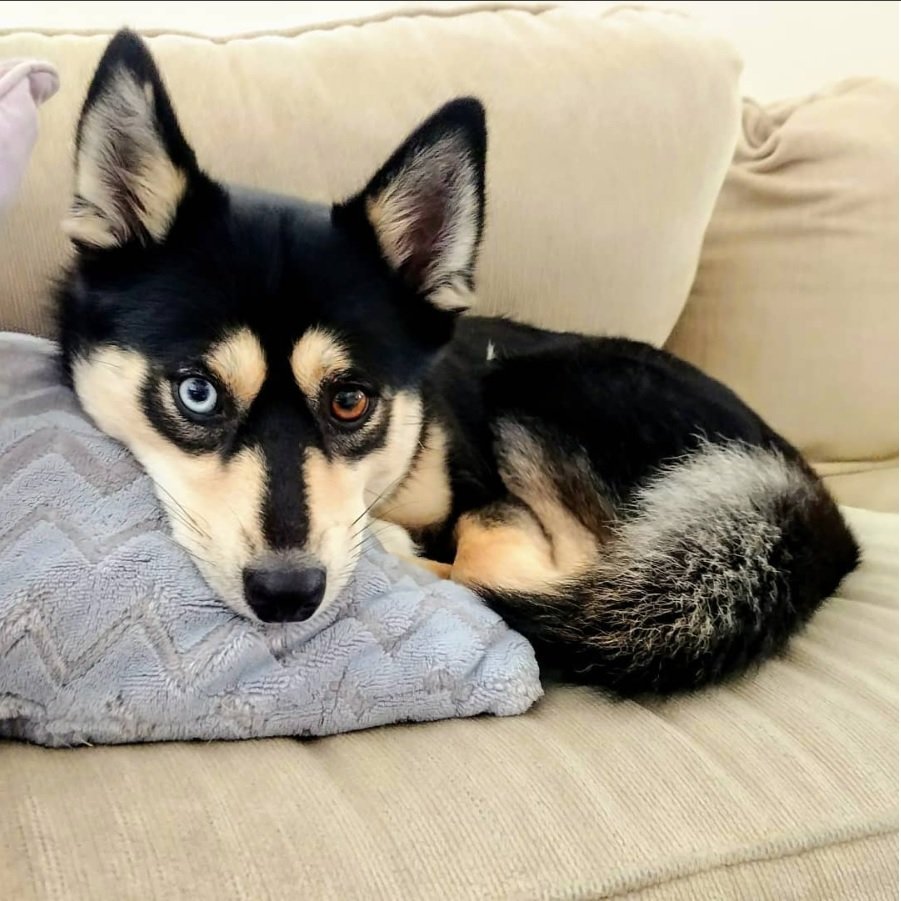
(710, 566)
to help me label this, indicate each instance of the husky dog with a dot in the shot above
(295, 377)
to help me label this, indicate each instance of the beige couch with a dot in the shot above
(610, 140)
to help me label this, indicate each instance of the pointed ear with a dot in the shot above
(132, 163)
(426, 205)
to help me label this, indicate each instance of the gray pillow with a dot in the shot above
(108, 633)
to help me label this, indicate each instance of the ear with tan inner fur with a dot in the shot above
(426, 205)
(132, 164)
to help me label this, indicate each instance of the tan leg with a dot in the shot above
(396, 540)
(525, 471)
(503, 547)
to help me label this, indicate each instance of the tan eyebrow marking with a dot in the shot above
(316, 356)
(238, 360)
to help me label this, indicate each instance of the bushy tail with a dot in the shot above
(712, 566)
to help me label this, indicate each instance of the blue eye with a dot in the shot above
(198, 395)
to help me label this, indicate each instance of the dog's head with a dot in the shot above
(262, 356)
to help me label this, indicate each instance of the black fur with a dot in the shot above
(607, 419)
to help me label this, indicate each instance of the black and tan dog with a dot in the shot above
(294, 377)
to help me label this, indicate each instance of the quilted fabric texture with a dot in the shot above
(108, 634)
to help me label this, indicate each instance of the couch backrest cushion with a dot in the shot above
(609, 139)
(795, 304)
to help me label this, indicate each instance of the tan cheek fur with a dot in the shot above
(213, 506)
(339, 491)
(424, 497)
(388, 466)
(335, 502)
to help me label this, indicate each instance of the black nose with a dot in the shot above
(280, 594)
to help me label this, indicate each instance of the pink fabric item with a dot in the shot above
(24, 86)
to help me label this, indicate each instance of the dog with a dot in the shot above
(297, 379)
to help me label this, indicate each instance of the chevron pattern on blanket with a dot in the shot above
(108, 634)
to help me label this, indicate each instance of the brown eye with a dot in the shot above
(349, 404)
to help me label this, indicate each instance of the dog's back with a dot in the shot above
(652, 532)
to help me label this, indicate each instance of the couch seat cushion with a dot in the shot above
(872, 486)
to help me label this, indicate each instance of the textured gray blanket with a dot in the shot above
(108, 634)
